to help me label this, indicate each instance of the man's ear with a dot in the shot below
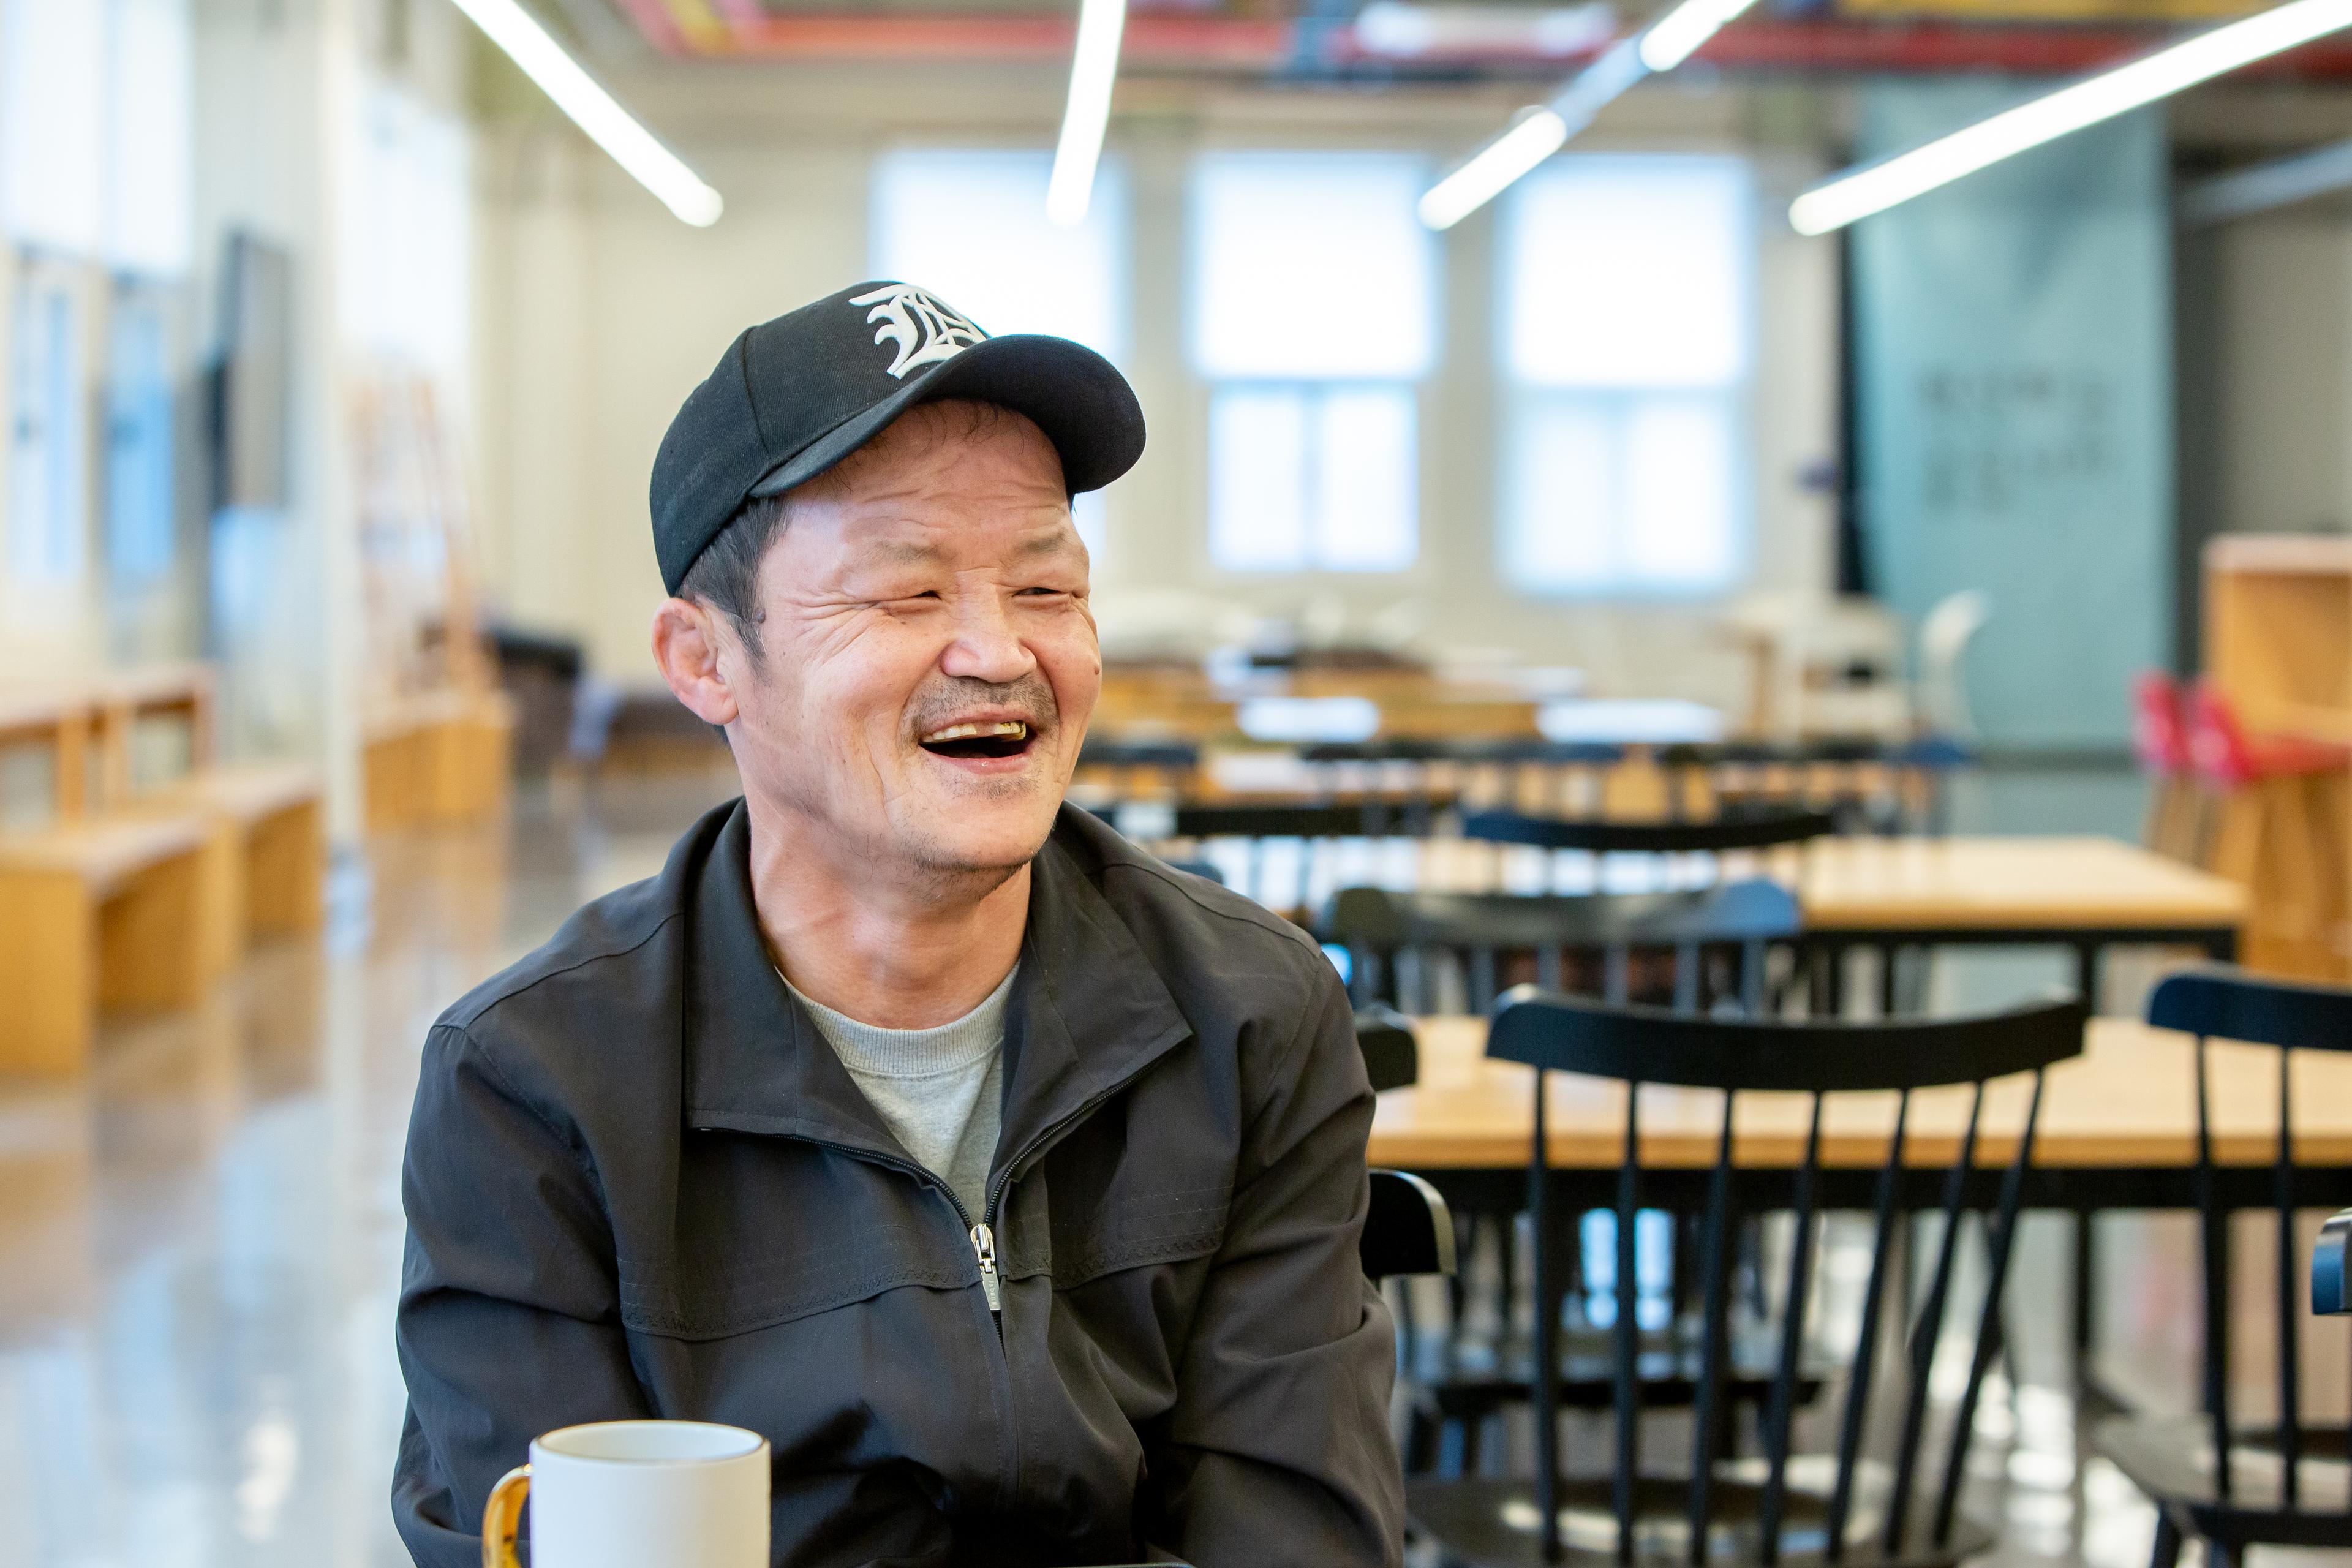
(688, 642)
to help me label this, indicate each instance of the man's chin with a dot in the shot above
(978, 839)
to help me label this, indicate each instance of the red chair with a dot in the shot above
(2177, 805)
(2278, 831)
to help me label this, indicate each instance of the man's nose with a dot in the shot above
(986, 646)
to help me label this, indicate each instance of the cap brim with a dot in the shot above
(1071, 394)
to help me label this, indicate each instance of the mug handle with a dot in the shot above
(502, 1516)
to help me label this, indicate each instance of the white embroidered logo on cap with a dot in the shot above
(926, 330)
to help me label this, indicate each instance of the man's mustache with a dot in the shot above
(1032, 697)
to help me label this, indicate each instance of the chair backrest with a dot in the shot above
(1392, 1054)
(2216, 741)
(1944, 634)
(1277, 852)
(1763, 828)
(1398, 943)
(1865, 785)
(2217, 1002)
(2331, 1267)
(1639, 1046)
(1526, 770)
(1408, 1229)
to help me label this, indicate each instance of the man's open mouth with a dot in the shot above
(995, 738)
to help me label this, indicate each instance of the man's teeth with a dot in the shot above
(977, 732)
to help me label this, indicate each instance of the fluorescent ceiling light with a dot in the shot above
(1874, 187)
(1679, 33)
(1093, 65)
(1542, 131)
(594, 110)
(1537, 134)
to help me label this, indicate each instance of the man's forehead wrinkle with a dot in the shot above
(934, 540)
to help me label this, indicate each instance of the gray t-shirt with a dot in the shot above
(939, 1091)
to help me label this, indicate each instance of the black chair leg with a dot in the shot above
(1422, 1436)
(2167, 1552)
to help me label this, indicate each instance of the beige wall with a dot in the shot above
(600, 310)
(2284, 371)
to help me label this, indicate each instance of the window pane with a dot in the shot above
(1629, 271)
(1679, 493)
(150, 115)
(406, 294)
(47, 455)
(1258, 479)
(139, 510)
(52, 100)
(1311, 266)
(1366, 479)
(1561, 490)
(970, 225)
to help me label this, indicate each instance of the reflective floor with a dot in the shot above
(199, 1245)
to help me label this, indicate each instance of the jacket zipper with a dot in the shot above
(983, 1246)
(982, 1231)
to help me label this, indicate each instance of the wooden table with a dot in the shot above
(2118, 1130)
(2083, 893)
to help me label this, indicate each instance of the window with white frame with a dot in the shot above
(1313, 318)
(969, 225)
(47, 454)
(140, 516)
(96, 126)
(1625, 338)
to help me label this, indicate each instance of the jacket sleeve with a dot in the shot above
(1278, 1449)
(509, 1318)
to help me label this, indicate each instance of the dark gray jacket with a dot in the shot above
(639, 1183)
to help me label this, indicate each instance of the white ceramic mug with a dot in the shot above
(624, 1494)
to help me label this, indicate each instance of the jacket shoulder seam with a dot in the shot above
(1256, 919)
(489, 1061)
(466, 1021)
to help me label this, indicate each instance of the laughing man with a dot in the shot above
(1006, 1180)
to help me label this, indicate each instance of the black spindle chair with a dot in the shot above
(1714, 1508)
(1400, 944)
(1407, 1228)
(2231, 1484)
(1391, 1054)
(1253, 842)
(1736, 830)
(1757, 827)
(1715, 944)
(1866, 786)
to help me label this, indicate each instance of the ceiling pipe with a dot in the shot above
(1165, 42)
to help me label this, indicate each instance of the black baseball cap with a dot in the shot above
(795, 395)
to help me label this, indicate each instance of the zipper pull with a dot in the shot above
(983, 1246)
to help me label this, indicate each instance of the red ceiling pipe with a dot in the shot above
(1252, 44)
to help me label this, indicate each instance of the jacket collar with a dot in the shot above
(1088, 1013)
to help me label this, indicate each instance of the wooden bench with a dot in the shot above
(119, 914)
(55, 718)
(184, 693)
(265, 857)
(440, 758)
